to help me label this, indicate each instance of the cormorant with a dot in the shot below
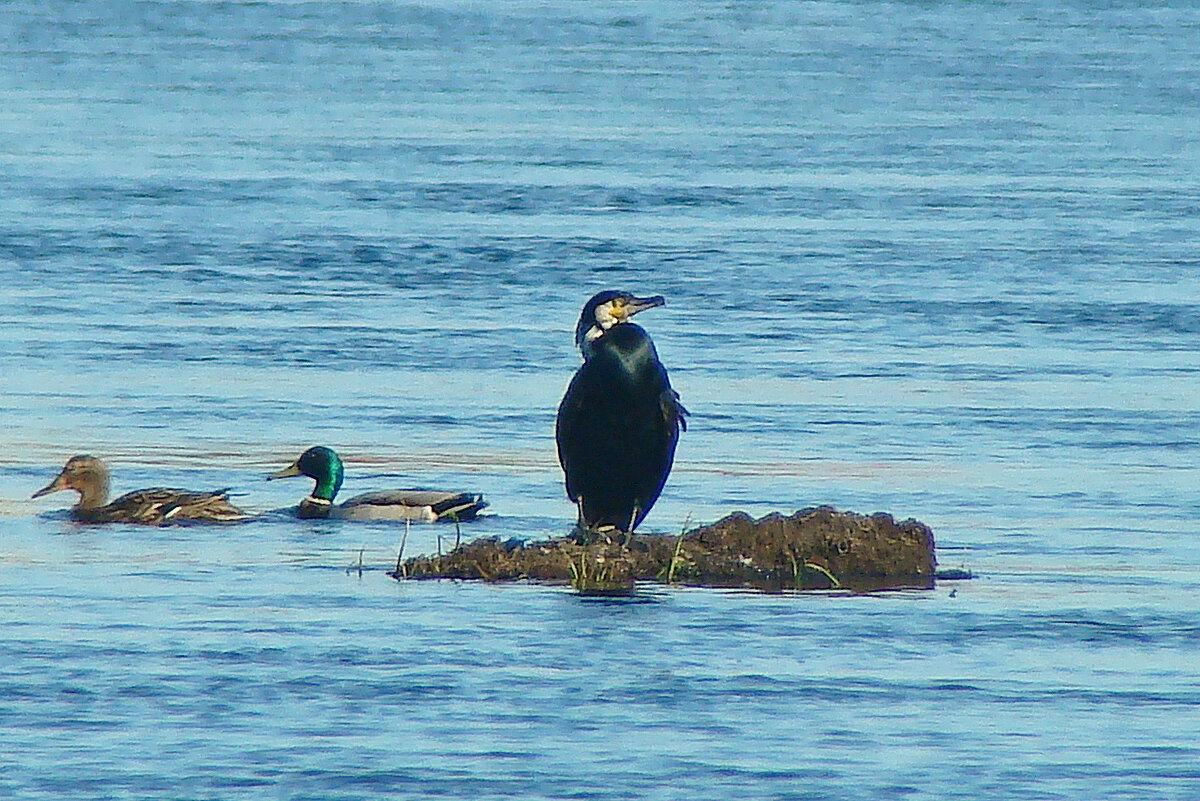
(619, 420)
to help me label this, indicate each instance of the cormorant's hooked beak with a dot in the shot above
(635, 305)
(291, 470)
(60, 482)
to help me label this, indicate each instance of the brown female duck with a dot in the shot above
(155, 506)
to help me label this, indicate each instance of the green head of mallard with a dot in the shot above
(323, 466)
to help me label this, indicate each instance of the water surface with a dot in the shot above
(936, 260)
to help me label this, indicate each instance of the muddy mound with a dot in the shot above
(818, 548)
(811, 548)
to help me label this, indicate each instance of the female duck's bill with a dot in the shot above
(325, 467)
(154, 506)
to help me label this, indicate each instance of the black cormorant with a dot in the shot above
(619, 421)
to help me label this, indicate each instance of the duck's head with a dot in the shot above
(87, 475)
(320, 464)
(606, 309)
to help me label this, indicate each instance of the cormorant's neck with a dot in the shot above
(587, 341)
(626, 337)
(627, 345)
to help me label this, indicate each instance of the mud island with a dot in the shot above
(815, 548)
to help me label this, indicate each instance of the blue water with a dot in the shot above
(938, 260)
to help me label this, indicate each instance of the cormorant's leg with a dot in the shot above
(627, 540)
(583, 534)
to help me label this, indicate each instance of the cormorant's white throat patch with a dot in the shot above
(609, 314)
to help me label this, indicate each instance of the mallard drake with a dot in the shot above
(155, 506)
(325, 467)
(619, 421)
